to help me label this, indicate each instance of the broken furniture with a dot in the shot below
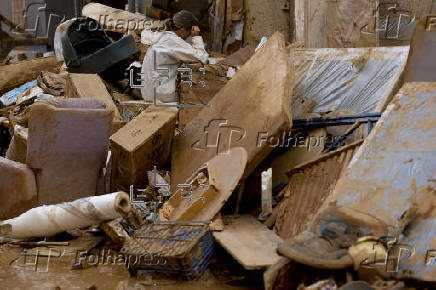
(67, 146)
(18, 37)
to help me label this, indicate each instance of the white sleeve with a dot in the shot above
(185, 52)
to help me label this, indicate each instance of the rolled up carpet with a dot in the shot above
(49, 220)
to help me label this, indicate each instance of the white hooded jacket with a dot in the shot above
(159, 69)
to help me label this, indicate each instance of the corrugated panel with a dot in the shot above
(358, 79)
(309, 185)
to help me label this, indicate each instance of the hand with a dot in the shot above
(195, 31)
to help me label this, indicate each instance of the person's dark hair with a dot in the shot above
(185, 19)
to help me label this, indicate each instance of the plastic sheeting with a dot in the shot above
(357, 79)
(11, 97)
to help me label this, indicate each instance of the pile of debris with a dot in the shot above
(244, 164)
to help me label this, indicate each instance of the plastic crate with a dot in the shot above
(177, 249)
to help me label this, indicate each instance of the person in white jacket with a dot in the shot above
(167, 50)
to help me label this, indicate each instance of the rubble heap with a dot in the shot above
(299, 152)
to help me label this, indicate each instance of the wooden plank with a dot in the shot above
(314, 24)
(256, 100)
(218, 25)
(250, 242)
(16, 74)
(299, 21)
(229, 25)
